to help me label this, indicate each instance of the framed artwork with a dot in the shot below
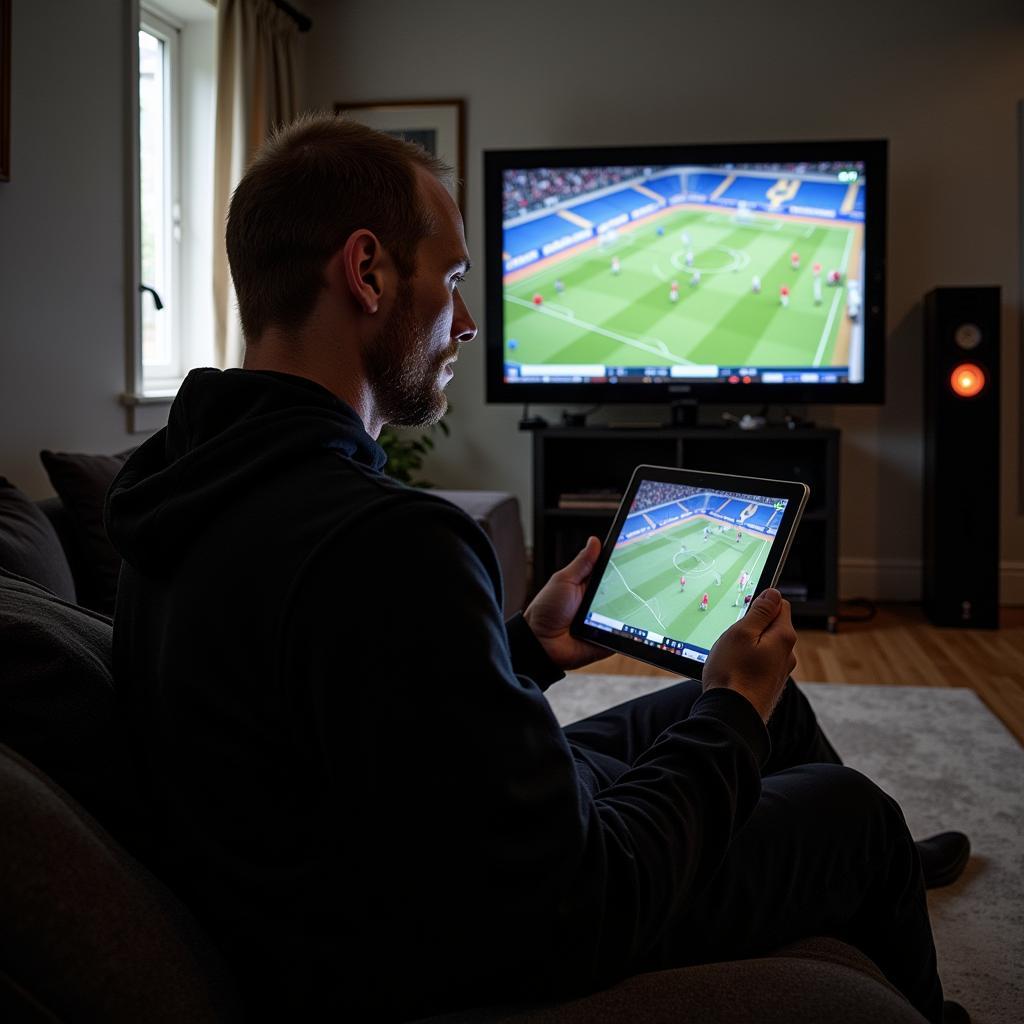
(5, 90)
(437, 125)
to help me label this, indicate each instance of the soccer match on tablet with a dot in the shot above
(685, 565)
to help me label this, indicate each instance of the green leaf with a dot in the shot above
(405, 455)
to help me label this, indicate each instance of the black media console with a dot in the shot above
(578, 471)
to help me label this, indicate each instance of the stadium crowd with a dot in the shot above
(651, 494)
(526, 191)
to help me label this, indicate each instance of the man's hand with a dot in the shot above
(551, 611)
(755, 655)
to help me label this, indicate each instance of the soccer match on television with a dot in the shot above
(685, 566)
(739, 273)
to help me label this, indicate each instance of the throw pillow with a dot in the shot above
(57, 700)
(82, 481)
(29, 545)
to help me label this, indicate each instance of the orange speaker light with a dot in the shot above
(967, 380)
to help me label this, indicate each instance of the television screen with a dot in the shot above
(694, 271)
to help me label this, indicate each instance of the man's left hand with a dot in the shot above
(551, 611)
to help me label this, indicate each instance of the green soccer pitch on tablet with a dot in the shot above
(686, 555)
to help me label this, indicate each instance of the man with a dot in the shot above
(365, 796)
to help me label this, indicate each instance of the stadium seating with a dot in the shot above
(731, 510)
(749, 190)
(612, 205)
(704, 184)
(695, 504)
(635, 525)
(536, 233)
(760, 519)
(665, 514)
(820, 196)
(668, 186)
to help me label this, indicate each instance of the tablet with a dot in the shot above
(686, 555)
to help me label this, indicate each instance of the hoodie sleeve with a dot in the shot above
(528, 656)
(481, 846)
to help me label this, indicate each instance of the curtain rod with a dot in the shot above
(300, 19)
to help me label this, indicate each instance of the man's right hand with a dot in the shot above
(755, 656)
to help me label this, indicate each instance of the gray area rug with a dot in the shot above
(951, 764)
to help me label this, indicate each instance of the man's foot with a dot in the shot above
(943, 858)
(954, 1013)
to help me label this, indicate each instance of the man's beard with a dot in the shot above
(400, 370)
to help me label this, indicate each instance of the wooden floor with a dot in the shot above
(899, 647)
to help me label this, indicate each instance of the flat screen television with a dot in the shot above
(727, 273)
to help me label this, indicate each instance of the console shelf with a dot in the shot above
(582, 460)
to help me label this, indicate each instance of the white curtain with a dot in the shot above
(255, 94)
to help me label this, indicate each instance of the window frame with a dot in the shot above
(146, 397)
(165, 378)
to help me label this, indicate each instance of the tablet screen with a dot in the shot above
(686, 564)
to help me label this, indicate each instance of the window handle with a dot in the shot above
(152, 291)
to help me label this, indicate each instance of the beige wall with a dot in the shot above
(940, 80)
(62, 264)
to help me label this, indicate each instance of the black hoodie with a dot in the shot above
(369, 809)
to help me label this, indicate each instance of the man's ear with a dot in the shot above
(362, 268)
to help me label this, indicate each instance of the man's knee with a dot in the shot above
(839, 798)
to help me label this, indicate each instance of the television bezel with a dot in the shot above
(874, 155)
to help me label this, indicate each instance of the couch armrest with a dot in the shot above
(816, 980)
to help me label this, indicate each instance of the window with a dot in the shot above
(159, 200)
(175, 91)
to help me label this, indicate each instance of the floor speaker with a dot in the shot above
(961, 466)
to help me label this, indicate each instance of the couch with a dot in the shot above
(87, 933)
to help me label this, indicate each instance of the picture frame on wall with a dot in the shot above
(437, 125)
(5, 90)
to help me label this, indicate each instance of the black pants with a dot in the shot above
(825, 851)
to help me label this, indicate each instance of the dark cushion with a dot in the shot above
(57, 702)
(29, 545)
(82, 482)
(86, 933)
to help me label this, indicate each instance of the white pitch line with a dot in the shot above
(820, 351)
(661, 349)
(636, 595)
(563, 309)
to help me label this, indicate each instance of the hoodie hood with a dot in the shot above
(227, 431)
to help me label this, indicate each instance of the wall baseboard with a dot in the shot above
(899, 579)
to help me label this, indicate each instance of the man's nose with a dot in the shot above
(463, 324)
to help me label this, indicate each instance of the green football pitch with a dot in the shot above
(627, 319)
(641, 588)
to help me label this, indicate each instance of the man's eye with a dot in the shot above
(457, 280)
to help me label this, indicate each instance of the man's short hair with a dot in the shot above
(312, 184)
